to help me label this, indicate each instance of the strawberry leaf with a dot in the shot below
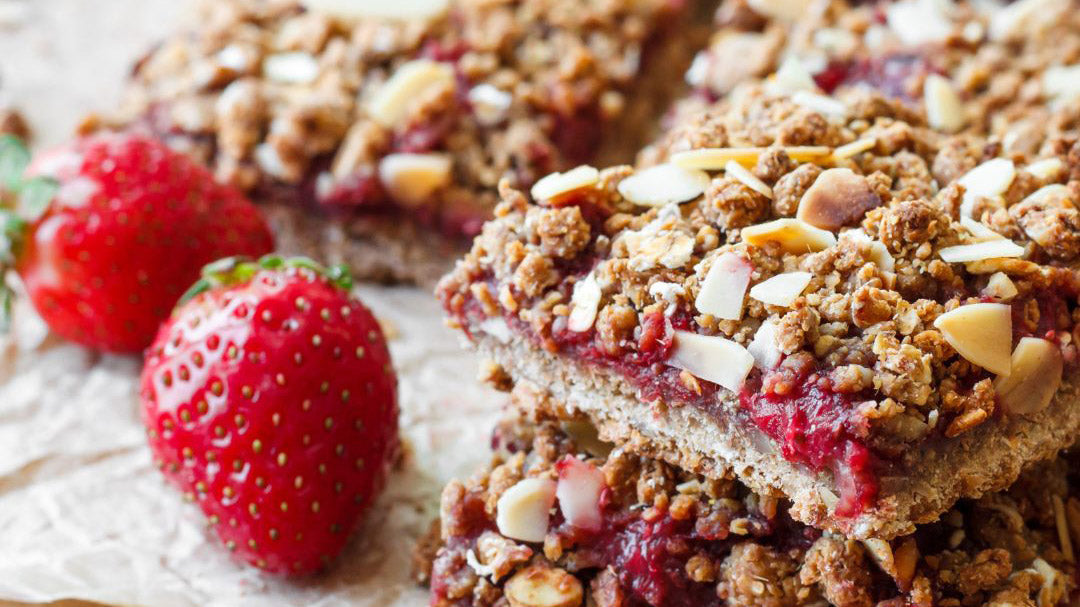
(14, 158)
(35, 196)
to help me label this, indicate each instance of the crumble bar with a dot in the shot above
(1006, 68)
(861, 314)
(560, 519)
(380, 142)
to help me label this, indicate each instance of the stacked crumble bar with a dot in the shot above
(380, 141)
(630, 531)
(848, 287)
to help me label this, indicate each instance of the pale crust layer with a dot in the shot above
(984, 460)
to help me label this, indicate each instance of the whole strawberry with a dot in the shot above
(270, 400)
(108, 231)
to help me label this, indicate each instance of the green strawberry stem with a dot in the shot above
(238, 270)
(22, 202)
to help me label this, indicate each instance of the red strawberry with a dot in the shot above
(111, 230)
(270, 400)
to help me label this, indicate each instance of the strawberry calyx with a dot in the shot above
(23, 201)
(231, 271)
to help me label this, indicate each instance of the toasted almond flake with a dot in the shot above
(990, 249)
(944, 110)
(583, 304)
(557, 184)
(791, 77)
(1054, 189)
(579, 488)
(1032, 378)
(411, 179)
(1061, 81)
(879, 253)
(882, 553)
(837, 198)
(1064, 539)
(1024, 16)
(543, 586)
(522, 510)
(291, 68)
(712, 358)
(1000, 286)
(981, 333)
(389, 106)
(497, 328)
(663, 184)
(794, 235)
(1048, 168)
(820, 103)
(918, 22)
(724, 287)
(397, 9)
(738, 172)
(854, 148)
(489, 104)
(714, 159)
(989, 179)
(764, 347)
(979, 231)
(788, 10)
(782, 289)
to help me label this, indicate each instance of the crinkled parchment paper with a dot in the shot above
(83, 514)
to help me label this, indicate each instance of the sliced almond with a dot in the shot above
(1047, 169)
(522, 510)
(879, 253)
(821, 104)
(1033, 377)
(838, 197)
(398, 9)
(724, 287)
(583, 304)
(1061, 82)
(496, 327)
(663, 184)
(918, 22)
(782, 289)
(543, 586)
(1000, 286)
(979, 231)
(739, 173)
(712, 358)
(990, 249)
(291, 68)
(389, 106)
(411, 179)
(981, 333)
(557, 184)
(791, 77)
(944, 109)
(849, 150)
(1056, 190)
(714, 159)
(794, 235)
(764, 347)
(579, 489)
(489, 104)
(882, 554)
(1025, 17)
(788, 10)
(989, 179)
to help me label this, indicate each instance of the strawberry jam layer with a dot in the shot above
(891, 75)
(798, 409)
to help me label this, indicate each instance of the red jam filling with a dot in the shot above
(812, 425)
(890, 75)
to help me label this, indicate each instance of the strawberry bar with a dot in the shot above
(860, 314)
(376, 133)
(562, 520)
(1008, 68)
